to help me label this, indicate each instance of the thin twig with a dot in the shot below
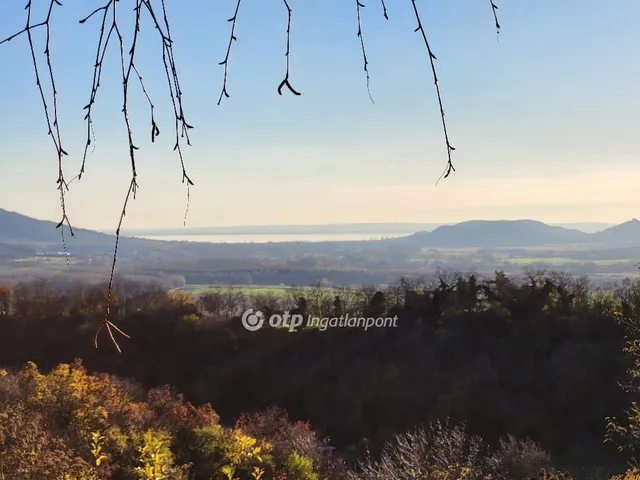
(181, 126)
(106, 323)
(103, 43)
(359, 6)
(53, 125)
(126, 71)
(128, 67)
(225, 62)
(285, 82)
(384, 10)
(494, 10)
(432, 58)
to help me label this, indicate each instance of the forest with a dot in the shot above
(483, 377)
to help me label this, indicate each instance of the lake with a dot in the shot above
(266, 238)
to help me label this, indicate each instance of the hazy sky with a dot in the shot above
(545, 122)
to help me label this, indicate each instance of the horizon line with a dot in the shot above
(352, 224)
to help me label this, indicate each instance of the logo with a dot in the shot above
(252, 321)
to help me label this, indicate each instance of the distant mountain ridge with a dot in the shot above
(346, 228)
(15, 227)
(18, 229)
(341, 228)
(521, 233)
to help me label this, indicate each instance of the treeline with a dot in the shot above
(538, 359)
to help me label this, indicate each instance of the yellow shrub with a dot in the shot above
(631, 474)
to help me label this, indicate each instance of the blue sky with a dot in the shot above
(544, 121)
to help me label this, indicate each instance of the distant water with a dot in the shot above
(266, 238)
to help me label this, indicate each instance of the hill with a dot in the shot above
(43, 236)
(342, 228)
(16, 227)
(625, 234)
(499, 233)
(20, 229)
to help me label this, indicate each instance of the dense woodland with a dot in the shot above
(482, 378)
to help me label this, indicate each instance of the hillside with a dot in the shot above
(522, 233)
(625, 234)
(342, 228)
(16, 228)
(43, 236)
(500, 233)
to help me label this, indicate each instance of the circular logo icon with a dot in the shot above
(252, 321)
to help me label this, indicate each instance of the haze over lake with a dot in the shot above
(266, 237)
(306, 233)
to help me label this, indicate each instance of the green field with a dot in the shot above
(565, 260)
(56, 260)
(249, 290)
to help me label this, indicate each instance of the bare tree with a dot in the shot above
(109, 18)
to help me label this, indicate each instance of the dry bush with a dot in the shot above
(519, 459)
(437, 452)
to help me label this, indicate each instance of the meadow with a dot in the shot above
(248, 290)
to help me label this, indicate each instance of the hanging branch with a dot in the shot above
(181, 126)
(53, 124)
(128, 68)
(432, 58)
(107, 324)
(384, 10)
(108, 30)
(101, 50)
(364, 51)
(285, 82)
(494, 10)
(225, 62)
(111, 8)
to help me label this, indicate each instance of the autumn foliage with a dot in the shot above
(70, 425)
(482, 378)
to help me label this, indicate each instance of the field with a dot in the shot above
(563, 255)
(46, 261)
(563, 260)
(249, 290)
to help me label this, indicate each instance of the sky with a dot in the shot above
(544, 118)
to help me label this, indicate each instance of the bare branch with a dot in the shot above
(359, 6)
(432, 58)
(50, 107)
(103, 42)
(109, 30)
(494, 10)
(285, 82)
(225, 62)
(128, 67)
(384, 9)
(181, 126)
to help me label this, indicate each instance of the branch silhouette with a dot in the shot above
(494, 10)
(384, 9)
(285, 82)
(359, 7)
(109, 29)
(53, 124)
(225, 62)
(432, 58)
